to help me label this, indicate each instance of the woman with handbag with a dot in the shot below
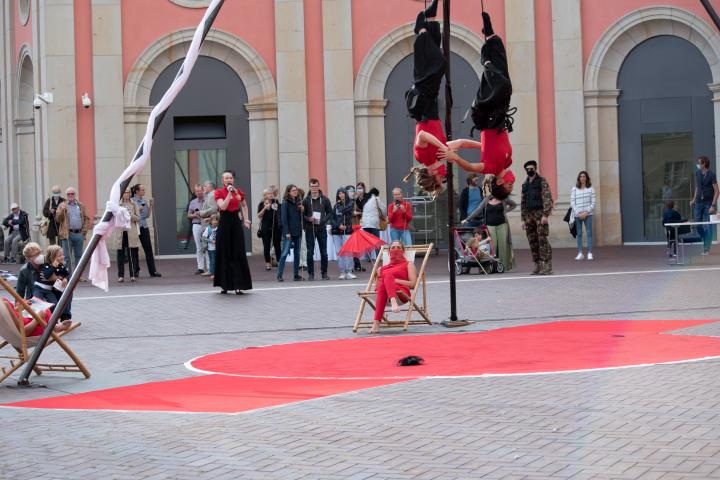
(492, 212)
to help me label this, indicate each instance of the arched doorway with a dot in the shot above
(665, 120)
(23, 165)
(204, 132)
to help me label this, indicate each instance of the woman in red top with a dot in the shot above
(394, 278)
(399, 216)
(231, 266)
(428, 70)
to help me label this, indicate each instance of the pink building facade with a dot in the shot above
(627, 90)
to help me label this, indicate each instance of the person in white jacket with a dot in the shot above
(582, 202)
(373, 210)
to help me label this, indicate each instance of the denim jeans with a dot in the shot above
(402, 235)
(702, 214)
(211, 261)
(374, 231)
(286, 244)
(73, 244)
(319, 234)
(345, 264)
(588, 229)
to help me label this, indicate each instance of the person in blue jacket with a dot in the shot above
(291, 218)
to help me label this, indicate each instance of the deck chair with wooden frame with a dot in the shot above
(12, 334)
(415, 304)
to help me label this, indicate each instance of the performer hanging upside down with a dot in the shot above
(421, 99)
(492, 115)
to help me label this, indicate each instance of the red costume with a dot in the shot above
(387, 287)
(234, 204)
(428, 155)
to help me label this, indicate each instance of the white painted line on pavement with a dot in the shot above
(490, 278)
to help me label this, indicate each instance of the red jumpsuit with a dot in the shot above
(428, 155)
(387, 288)
(496, 153)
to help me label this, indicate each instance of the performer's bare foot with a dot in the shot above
(375, 327)
(394, 305)
(62, 326)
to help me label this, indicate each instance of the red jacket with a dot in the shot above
(398, 219)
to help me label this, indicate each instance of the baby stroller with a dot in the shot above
(485, 259)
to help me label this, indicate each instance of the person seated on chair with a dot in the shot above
(670, 215)
(398, 276)
(32, 327)
(30, 272)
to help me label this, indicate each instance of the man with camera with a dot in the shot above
(317, 211)
(399, 218)
(194, 208)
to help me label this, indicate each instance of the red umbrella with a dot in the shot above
(359, 244)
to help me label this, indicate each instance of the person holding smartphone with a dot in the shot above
(399, 218)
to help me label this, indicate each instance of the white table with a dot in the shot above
(680, 249)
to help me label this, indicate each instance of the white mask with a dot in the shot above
(39, 260)
(360, 191)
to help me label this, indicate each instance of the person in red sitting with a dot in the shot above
(399, 275)
(32, 327)
(422, 102)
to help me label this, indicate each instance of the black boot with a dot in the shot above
(419, 23)
(431, 11)
(487, 25)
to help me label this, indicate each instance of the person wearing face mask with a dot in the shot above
(397, 277)
(49, 210)
(536, 204)
(29, 273)
(360, 199)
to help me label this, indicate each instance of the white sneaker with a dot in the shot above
(580, 256)
(590, 256)
(350, 276)
(342, 276)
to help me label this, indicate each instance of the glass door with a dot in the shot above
(667, 160)
(193, 167)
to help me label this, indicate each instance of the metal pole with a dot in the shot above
(711, 11)
(87, 254)
(450, 167)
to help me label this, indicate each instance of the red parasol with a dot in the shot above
(359, 244)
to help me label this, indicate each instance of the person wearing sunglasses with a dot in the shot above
(536, 204)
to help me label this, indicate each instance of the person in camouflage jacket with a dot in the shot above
(536, 204)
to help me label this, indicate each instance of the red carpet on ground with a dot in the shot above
(252, 378)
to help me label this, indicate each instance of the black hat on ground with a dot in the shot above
(530, 163)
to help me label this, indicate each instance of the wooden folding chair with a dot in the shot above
(415, 304)
(12, 331)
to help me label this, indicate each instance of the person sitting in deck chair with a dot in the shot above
(398, 276)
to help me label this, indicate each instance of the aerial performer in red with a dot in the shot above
(422, 102)
(492, 115)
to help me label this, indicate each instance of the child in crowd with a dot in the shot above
(210, 236)
(670, 215)
(479, 244)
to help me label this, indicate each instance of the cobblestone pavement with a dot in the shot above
(657, 422)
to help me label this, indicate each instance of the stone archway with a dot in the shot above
(245, 61)
(23, 166)
(601, 97)
(370, 90)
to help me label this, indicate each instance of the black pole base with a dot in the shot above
(23, 384)
(456, 323)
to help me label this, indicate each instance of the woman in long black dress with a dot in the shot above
(231, 267)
